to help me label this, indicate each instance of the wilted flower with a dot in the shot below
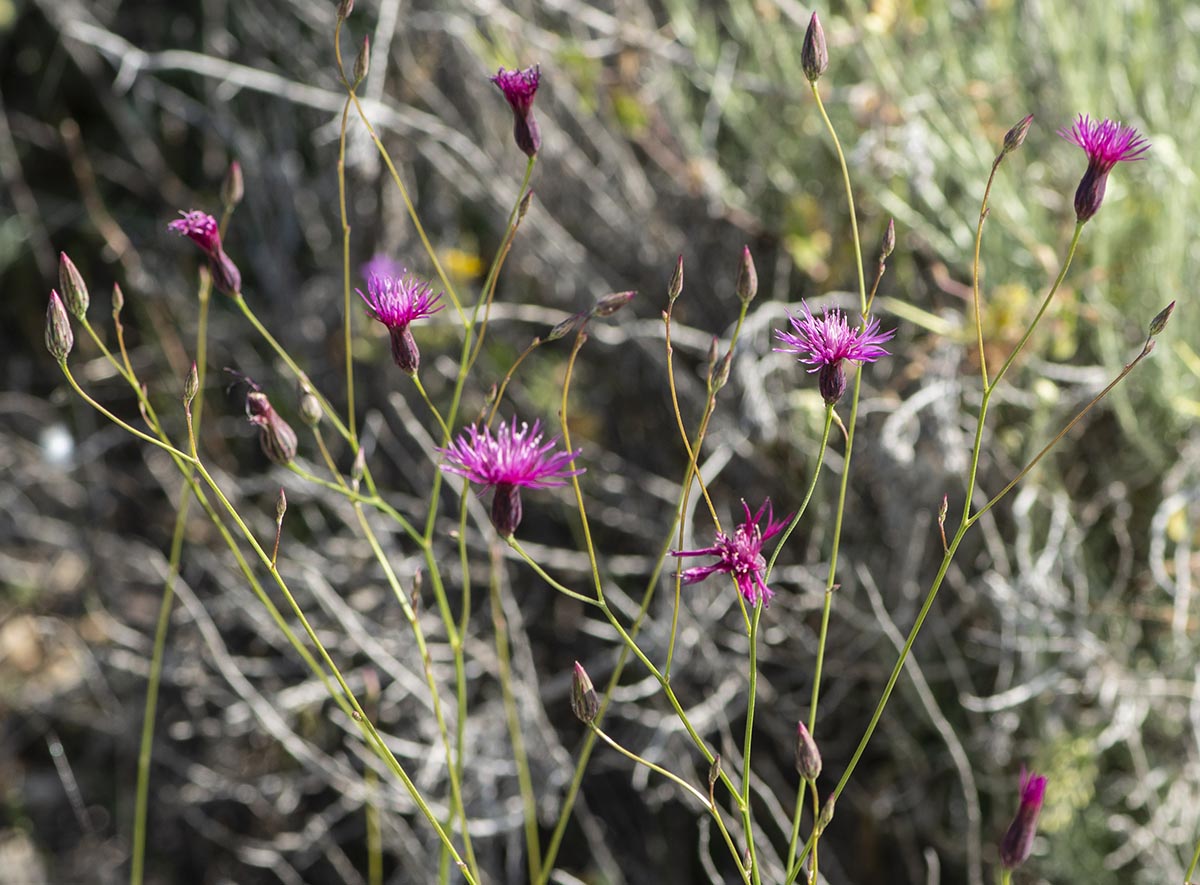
(1106, 144)
(397, 301)
(519, 88)
(825, 343)
(1018, 840)
(739, 555)
(508, 460)
(201, 228)
(275, 435)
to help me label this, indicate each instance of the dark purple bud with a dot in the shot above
(814, 55)
(808, 757)
(59, 337)
(747, 279)
(831, 381)
(584, 702)
(404, 349)
(225, 275)
(74, 290)
(1090, 193)
(275, 435)
(1018, 840)
(506, 509)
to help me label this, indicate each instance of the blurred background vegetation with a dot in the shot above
(1066, 635)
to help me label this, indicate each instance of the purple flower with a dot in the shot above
(1018, 840)
(1106, 144)
(201, 229)
(825, 343)
(397, 301)
(519, 88)
(510, 459)
(740, 555)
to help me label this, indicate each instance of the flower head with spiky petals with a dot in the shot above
(824, 343)
(1018, 839)
(396, 301)
(202, 229)
(519, 88)
(740, 555)
(1106, 144)
(512, 458)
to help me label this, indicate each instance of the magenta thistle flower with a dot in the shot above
(825, 343)
(519, 88)
(201, 229)
(1018, 840)
(1106, 144)
(509, 460)
(397, 301)
(739, 555)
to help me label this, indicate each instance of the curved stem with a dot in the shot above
(634, 757)
(983, 214)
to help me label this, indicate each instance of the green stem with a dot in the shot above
(747, 742)
(837, 146)
(634, 757)
(983, 214)
(512, 714)
(1187, 879)
(347, 340)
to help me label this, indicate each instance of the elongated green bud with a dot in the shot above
(74, 289)
(59, 337)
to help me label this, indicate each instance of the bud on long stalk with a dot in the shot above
(59, 337)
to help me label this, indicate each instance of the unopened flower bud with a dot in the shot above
(345, 7)
(826, 816)
(889, 241)
(1018, 839)
(675, 287)
(280, 507)
(59, 337)
(1015, 137)
(714, 772)
(610, 304)
(721, 376)
(275, 435)
(362, 64)
(808, 757)
(310, 409)
(713, 356)
(118, 300)
(232, 188)
(814, 55)
(523, 206)
(747, 279)
(506, 509)
(359, 466)
(567, 326)
(584, 702)
(74, 290)
(191, 385)
(1160, 321)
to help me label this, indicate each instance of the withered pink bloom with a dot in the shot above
(1018, 840)
(201, 228)
(276, 436)
(1106, 144)
(512, 458)
(519, 88)
(740, 555)
(396, 301)
(824, 343)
